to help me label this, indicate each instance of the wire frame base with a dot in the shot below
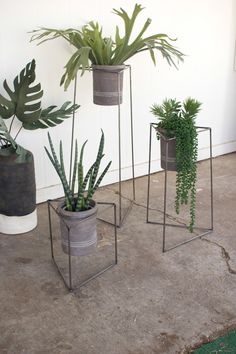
(164, 224)
(69, 283)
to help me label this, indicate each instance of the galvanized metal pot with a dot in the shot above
(108, 84)
(78, 230)
(17, 192)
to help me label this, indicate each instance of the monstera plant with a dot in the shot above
(108, 55)
(17, 177)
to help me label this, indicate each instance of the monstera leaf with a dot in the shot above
(24, 100)
(50, 117)
(25, 103)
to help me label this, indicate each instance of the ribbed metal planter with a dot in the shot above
(17, 192)
(169, 162)
(81, 227)
(108, 84)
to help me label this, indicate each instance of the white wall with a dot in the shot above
(206, 31)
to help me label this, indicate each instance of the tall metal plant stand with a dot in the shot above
(69, 283)
(122, 217)
(204, 231)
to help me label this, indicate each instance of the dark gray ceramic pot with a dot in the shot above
(169, 162)
(81, 228)
(108, 84)
(17, 184)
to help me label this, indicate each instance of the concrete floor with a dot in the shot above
(149, 303)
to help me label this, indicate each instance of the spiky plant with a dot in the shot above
(24, 103)
(94, 48)
(87, 183)
(179, 121)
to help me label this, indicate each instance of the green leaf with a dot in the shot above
(50, 117)
(21, 96)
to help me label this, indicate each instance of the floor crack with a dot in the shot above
(173, 218)
(225, 255)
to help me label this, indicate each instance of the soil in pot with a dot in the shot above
(81, 227)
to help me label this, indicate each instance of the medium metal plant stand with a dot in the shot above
(122, 217)
(204, 231)
(70, 283)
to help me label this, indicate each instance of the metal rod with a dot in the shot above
(115, 228)
(72, 130)
(211, 177)
(132, 129)
(149, 170)
(189, 240)
(50, 229)
(119, 143)
(69, 259)
(165, 193)
(93, 277)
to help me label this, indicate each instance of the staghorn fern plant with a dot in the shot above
(87, 184)
(94, 48)
(178, 120)
(24, 104)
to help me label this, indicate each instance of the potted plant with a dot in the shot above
(17, 177)
(177, 123)
(107, 55)
(78, 210)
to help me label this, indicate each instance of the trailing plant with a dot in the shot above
(92, 47)
(87, 183)
(178, 120)
(24, 103)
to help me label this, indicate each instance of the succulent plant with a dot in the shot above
(87, 183)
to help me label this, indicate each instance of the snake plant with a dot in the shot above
(24, 103)
(92, 47)
(87, 183)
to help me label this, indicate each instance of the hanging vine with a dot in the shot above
(178, 120)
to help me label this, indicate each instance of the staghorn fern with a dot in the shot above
(24, 103)
(87, 185)
(92, 47)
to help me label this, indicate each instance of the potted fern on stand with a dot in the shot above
(78, 210)
(17, 177)
(106, 55)
(177, 123)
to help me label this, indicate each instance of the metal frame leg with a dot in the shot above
(121, 218)
(205, 231)
(69, 283)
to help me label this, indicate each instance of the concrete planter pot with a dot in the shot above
(18, 193)
(82, 230)
(108, 84)
(168, 163)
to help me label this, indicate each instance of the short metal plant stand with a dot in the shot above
(204, 231)
(65, 267)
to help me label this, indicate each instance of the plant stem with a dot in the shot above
(11, 123)
(18, 132)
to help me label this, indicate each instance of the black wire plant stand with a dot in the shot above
(121, 216)
(203, 230)
(68, 275)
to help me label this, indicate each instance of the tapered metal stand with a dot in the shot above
(67, 270)
(123, 215)
(203, 231)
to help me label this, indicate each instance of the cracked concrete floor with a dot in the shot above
(149, 303)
